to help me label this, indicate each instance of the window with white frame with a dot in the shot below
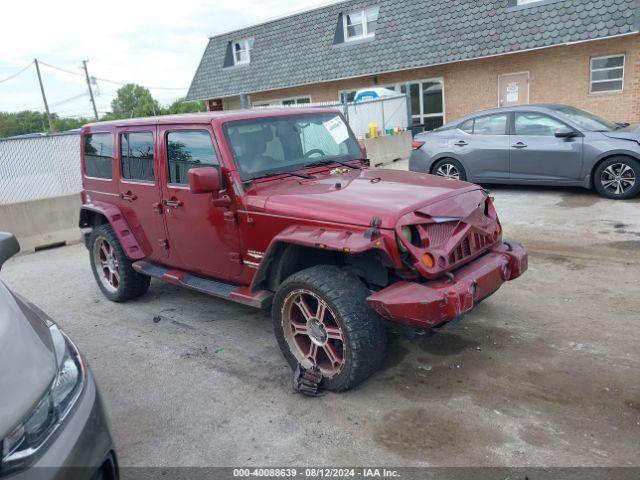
(361, 24)
(607, 74)
(283, 102)
(242, 51)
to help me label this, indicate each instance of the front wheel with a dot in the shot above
(450, 168)
(617, 178)
(112, 269)
(321, 318)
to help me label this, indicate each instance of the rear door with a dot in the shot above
(536, 153)
(203, 238)
(139, 192)
(482, 144)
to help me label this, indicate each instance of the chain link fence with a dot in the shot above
(39, 167)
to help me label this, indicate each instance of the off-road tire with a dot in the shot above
(462, 173)
(363, 329)
(618, 160)
(132, 284)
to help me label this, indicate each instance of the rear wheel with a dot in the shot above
(112, 269)
(450, 168)
(617, 178)
(321, 318)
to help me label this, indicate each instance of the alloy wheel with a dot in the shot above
(106, 264)
(448, 170)
(312, 332)
(618, 178)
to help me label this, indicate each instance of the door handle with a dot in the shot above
(461, 143)
(129, 196)
(173, 203)
(520, 145)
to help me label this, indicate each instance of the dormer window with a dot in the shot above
(242, 51)
(361, 24)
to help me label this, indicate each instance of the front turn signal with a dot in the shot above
(428, 261)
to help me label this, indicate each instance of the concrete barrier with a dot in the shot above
(42, 223)
(388, 149)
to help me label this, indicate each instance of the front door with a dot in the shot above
(537, 154)
(203, 238)
(139, 189)
(513, 89)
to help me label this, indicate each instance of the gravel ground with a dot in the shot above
(543, 373)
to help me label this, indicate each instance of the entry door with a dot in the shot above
(139, 189)
(513, 89)
(203, 238)
(536, 153)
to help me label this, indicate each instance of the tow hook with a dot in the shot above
(307, 381)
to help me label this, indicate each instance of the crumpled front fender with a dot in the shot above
(427, 305)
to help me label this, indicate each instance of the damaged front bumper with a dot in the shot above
(427, 305)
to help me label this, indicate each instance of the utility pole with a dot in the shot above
(93, 102)
(44, 97)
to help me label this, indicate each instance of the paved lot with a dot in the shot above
(543, 373)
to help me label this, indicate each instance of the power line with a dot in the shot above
(106, 80)
(15, 74)
(70, 99)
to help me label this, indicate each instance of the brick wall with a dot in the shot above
(557, 75)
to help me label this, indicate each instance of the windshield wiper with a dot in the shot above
(328, 162)
(306, 176)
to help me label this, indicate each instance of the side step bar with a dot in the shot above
(215, 288)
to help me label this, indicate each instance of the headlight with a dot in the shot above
(20, 446)
(408, 236)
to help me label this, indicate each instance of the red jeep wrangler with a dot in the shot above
(279, 207)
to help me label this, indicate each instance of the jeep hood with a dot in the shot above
(355, 197)
(27, 359)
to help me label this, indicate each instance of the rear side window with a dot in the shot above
(137, 156)
(490, 125)
(98, 155)
(187, 150)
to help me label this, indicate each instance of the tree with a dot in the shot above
(22, 123)
(134, 101)
(182, 106)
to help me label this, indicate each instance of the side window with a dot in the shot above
(490, 125)
(467, 126)
(187, 149)
(98, 155)
(530, 123)
(137, 156)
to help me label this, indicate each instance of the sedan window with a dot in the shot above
(491, 125)
(530, 123)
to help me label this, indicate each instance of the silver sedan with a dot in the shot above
(535, 145)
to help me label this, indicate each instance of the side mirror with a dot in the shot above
(205, 180)
(9, 246)
(566, 132)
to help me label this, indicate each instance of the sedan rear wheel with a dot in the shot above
(450, 168)
(617, 178)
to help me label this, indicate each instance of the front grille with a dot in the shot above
(471, 244)
(439, 233)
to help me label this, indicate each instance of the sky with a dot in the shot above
(153, 43)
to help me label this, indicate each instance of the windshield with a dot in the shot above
(587, 121)
(274, 145)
